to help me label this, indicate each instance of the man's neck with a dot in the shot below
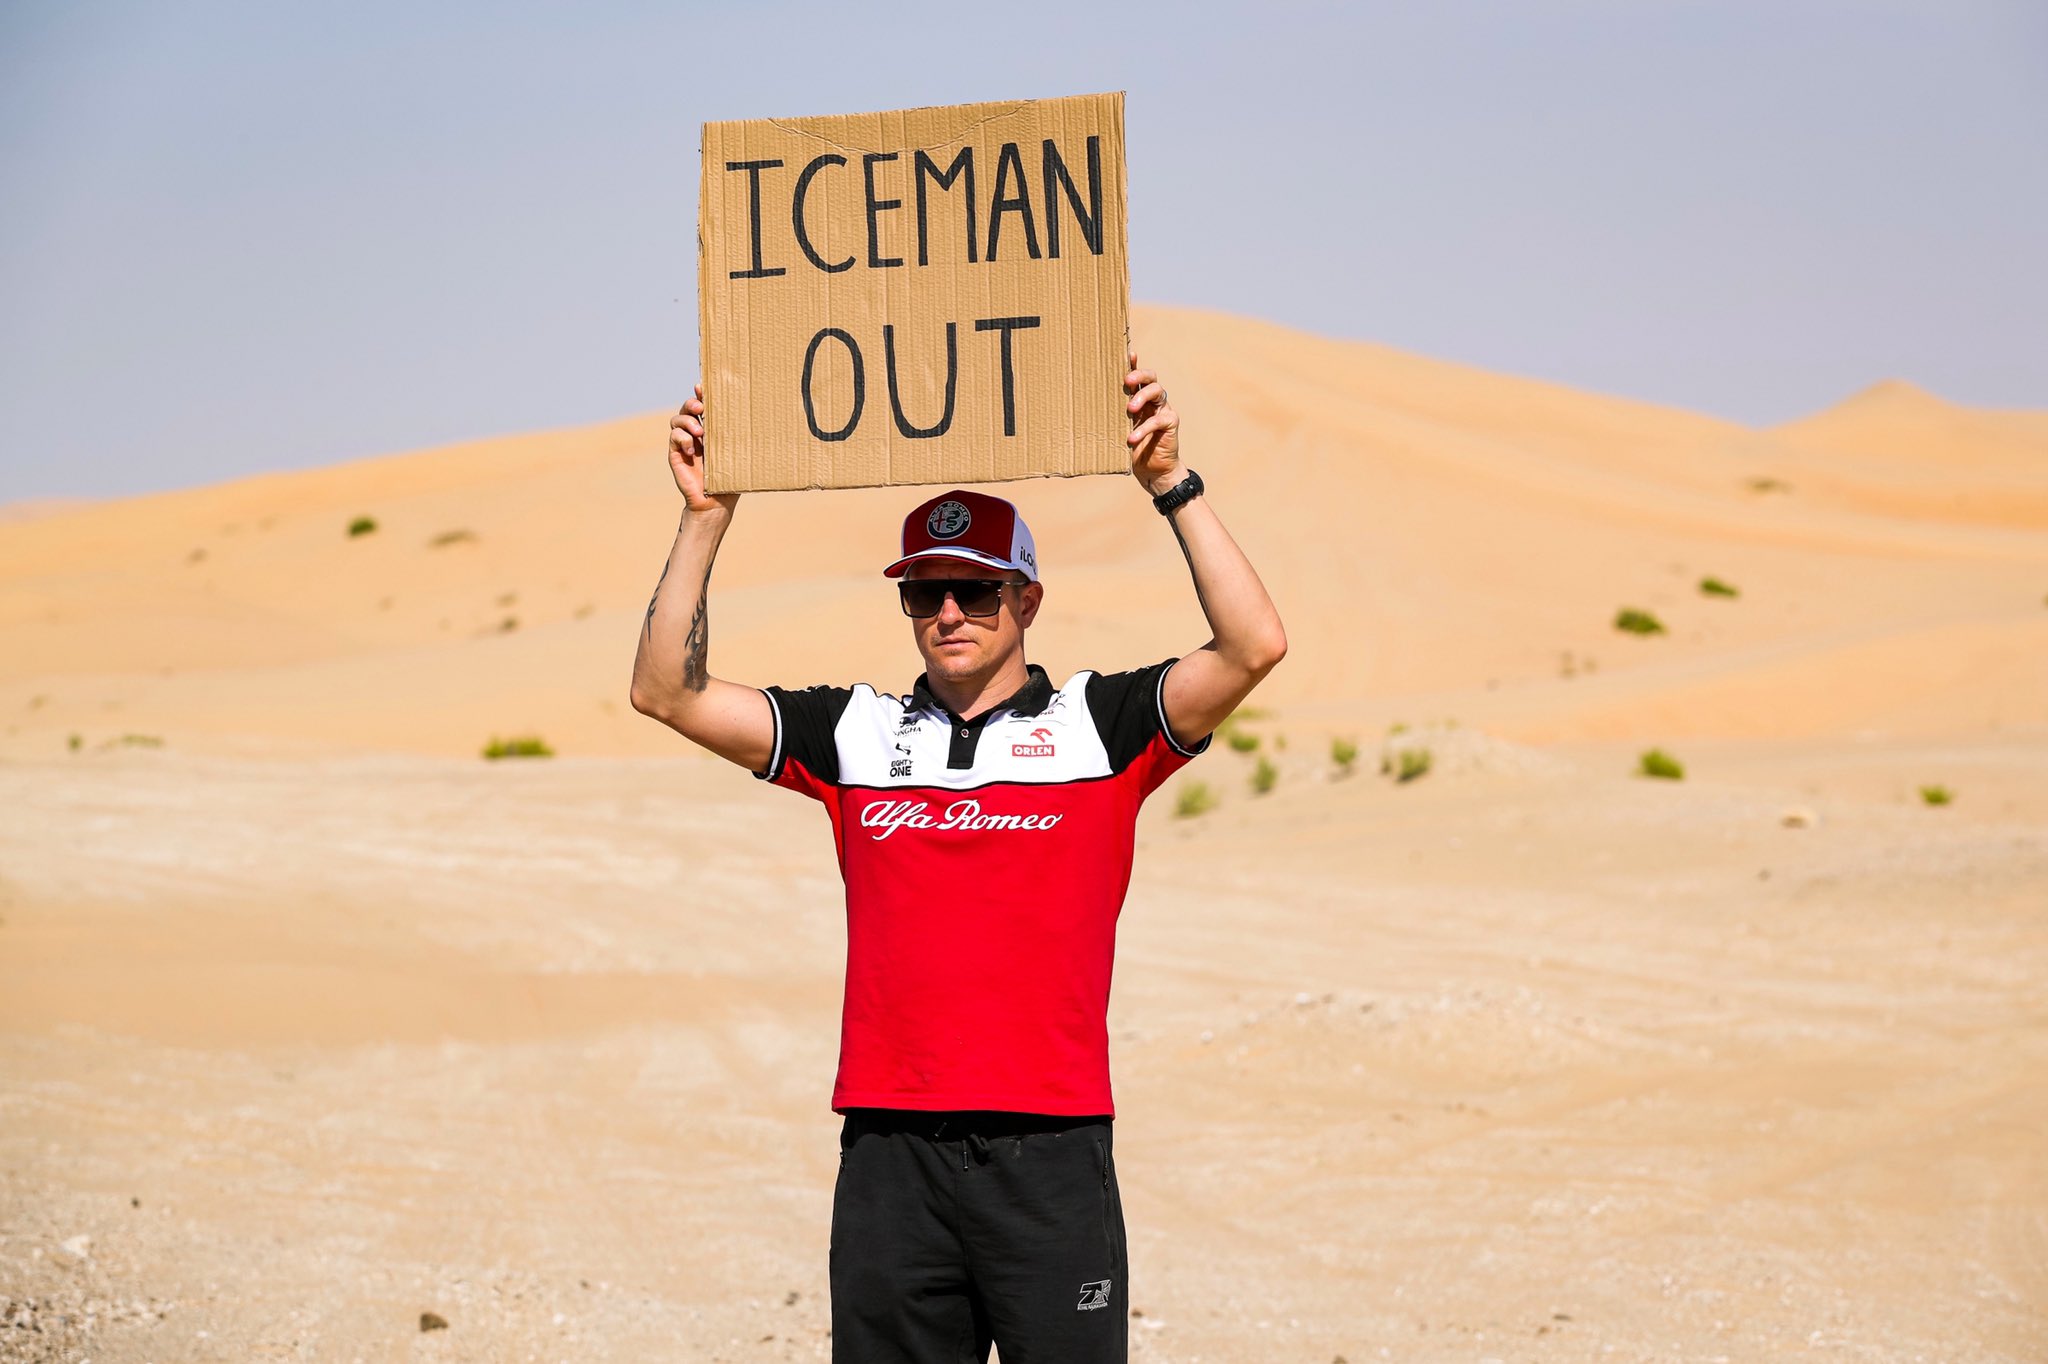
(968, 697)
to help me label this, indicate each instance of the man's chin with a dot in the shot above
(954, 664)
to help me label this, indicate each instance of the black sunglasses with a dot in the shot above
(974, 596)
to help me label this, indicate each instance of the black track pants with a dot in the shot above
(950, 1231)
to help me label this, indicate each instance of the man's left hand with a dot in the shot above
(1155, 431)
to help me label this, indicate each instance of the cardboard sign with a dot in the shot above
(926, 296)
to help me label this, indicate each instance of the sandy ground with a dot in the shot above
(311, 1022)
(1533, 1061)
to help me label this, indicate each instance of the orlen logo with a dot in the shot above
(1040, 748)
(885, 817)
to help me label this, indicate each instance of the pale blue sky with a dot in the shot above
(256, 236)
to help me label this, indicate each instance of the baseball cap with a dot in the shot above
(964, 525)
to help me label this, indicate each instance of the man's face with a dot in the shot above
(957, 646)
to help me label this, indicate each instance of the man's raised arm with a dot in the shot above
(1247, 640)
(672, 678)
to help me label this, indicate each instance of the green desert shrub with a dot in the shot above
(1936, 795)
(1637, 622)
(1240, 741)
(1265, 775)
(1195, 798)
(1344, 752)
(74, 742)
(520, 746)
(1714, 587)
(1411, 763)
(1655, 762)
(451, 537)
(362, 525)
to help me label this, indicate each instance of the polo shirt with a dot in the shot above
(985, 862)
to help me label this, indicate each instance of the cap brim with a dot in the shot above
(895, 570)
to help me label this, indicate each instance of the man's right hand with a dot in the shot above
(686, 457)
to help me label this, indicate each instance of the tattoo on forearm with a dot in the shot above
(697, 644)
(647, 625)
(696, 673)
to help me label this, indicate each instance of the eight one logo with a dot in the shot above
(948, 520)
(885, 817)
(1040, 748)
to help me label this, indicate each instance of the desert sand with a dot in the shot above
(312, 1021)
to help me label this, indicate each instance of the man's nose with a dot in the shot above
(950, 612)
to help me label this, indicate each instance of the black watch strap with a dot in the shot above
(1181, 493)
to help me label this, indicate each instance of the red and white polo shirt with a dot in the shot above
(986, 861)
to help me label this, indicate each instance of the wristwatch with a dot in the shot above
(1181, 493)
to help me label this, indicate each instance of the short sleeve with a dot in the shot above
(1130, 712)
(806, 750)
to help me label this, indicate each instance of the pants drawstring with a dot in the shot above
(979, 1145)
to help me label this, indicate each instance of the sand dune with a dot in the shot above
(35, 508)
(311, 1021)
(1433, 526)
(1899, 451)
(1897, 420)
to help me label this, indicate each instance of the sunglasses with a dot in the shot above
(974, 596)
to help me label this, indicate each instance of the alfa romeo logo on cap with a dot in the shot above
(948, 520)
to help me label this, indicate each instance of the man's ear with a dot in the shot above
(1028, 598)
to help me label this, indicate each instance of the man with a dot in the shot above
(984, 823)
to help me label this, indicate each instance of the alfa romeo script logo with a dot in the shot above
(948, 520)
(885, 817)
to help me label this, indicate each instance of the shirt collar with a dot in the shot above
(1030, 699)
